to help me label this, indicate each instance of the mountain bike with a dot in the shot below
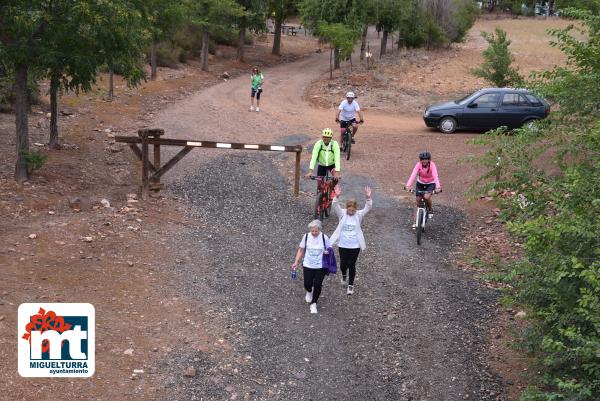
(346, 144)
(422, 215)
(324, 191)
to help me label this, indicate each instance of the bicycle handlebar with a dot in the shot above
(321, 177)
(423, 192)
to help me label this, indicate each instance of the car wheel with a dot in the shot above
(530, 123)
(447, 125)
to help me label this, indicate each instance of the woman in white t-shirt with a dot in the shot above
(312, 246)
(348, 235)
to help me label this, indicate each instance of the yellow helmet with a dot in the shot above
(327, 132)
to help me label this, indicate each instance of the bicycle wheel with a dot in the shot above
(349, 146)
(419, 225)
(317, 204)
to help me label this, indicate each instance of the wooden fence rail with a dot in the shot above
(153, 171)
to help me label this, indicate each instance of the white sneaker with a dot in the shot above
(257, 109)
(251, 108)
(430, 216)
(313, 308)
(344, 280)
(308, 297)
(350, 290)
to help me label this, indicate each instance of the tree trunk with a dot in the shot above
(21, 119)
(241, 42)
(363, 42)
(153, 74)
(111, 85)
(330, 62)
(336, 59)
(204, 53)
(277, 37)
(54, 86)
(384, 40)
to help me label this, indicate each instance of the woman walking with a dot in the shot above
(348, 234)
(313, 246)
(256, 88)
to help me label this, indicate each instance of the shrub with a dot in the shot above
(35, 160)
(496, 68)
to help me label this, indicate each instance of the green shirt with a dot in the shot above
(257, 80)
(326, 155)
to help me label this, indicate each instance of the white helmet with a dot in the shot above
(350, 94)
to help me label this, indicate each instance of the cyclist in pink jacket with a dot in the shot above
(425, 173)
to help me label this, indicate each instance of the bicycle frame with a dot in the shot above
(323, 201)
(421, 216)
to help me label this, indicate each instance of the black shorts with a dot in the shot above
(322, 170)
(425, 187)
(344, 124)
(256, 92)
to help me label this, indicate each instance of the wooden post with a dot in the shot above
(297, 175)
(144, 167)
(147, 183)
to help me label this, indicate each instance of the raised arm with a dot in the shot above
(339, 212)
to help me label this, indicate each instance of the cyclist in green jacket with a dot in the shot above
(327, 153)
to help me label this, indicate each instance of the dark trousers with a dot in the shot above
(313, 281)
(348, 257)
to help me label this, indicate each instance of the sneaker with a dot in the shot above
(414, 226)
(257, 109)
(350, 290)
(308, 297)
(251, 108)
(430, 215)
(353, 141)
(344, 280)
(313, 308)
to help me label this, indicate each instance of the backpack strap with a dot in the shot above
(323, 236)
(305, 237)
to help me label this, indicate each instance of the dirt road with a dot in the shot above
(415, 327)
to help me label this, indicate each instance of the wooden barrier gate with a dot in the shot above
(152, 136)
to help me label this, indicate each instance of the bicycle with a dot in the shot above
(422, 215)
(346, 144)
(323, 200)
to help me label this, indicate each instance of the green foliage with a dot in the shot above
(553, 169)
(496, 68)
(35, 160)
(463, 19)
(340, 36)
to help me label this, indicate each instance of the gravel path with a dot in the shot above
(411, 331)
(415, 327)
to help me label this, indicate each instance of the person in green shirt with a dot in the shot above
(327, 153)
(256, 90)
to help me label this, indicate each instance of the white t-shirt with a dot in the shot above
(349, 232)
(313, 254)
(348, 110)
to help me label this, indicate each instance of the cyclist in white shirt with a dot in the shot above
(346, 114)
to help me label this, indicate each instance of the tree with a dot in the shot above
(213, 16)
(280, 10)
(165, 17)
(254, 17)
(317, 14)
(21, 29)
(496, 68)
(81, 37)
(341, 40)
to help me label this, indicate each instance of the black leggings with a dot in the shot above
(348, 257)
(313, 281)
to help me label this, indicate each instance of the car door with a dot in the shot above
(481, 112)
(513, 109)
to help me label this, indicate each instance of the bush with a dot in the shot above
(35, 160)
(167, 55)
(496, 68)
(554, 169)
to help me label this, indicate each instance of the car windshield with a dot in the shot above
(462, 99)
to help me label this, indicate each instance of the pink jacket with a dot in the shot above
(424, 175)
